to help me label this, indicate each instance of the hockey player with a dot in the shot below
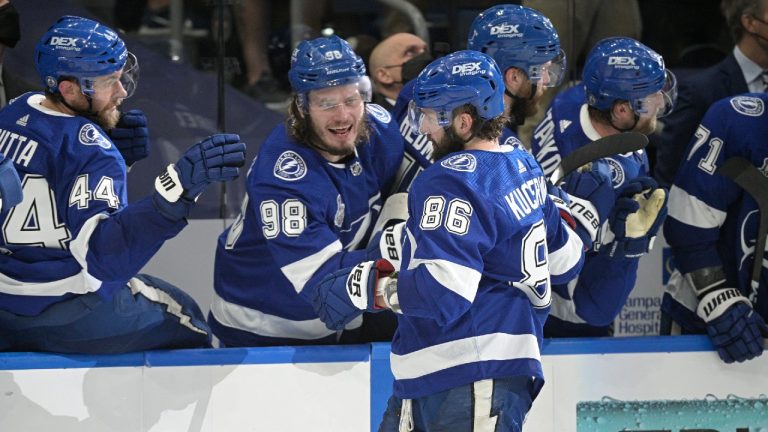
(525, 46)
(467, 349)
(712, 227)
(313, 195)
(72, 248)
(625, 88)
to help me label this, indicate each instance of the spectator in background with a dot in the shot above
(386, 66)
(745, 69)
(10, 33)
(254, 22)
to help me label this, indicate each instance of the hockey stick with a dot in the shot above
(626, 142)
(746, 175)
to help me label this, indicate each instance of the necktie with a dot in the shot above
(764, 76)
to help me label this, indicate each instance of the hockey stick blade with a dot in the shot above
(626, 142)
(748, 177)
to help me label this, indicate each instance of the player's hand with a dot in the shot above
(563, 203)
(734, 328)
(214, 159)
(591, 197)
(636, 217)
(10, 186)
(131, 136)
(344, 295)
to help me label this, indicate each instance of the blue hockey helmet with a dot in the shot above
(326, 62)
(463, 77)
(521, 37)
(621, 68)
(83, 49)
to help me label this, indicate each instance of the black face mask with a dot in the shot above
(415, 65)
(10, 32)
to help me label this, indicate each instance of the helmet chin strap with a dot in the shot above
(517, 110)
(89, 113)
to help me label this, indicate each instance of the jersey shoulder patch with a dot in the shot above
(290, 166)
(90, 135)
(748, 105)
(461, 162)
(378, 112)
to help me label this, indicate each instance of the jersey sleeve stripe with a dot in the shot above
(251, 320)
(460, 279)
(80, 283)
(692, 211)
(299, 272)
(565, 309)
(562, 260)
(475, 349)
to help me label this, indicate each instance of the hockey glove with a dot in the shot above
(345, 294)
(10, 186)
(591, 199)
(562, 202)
(636, 218)
(214, 159)
(734, 328)
(131, 136)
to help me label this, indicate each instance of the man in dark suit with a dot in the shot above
(743, 70)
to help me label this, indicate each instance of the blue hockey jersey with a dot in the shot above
(477, 220)
(599, 293)
(73, 233)
(712, 221)
(303, 217)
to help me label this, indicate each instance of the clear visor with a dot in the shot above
(128, 79)
(549, 74)
(662, 102)
(425, 121)
(324, 101)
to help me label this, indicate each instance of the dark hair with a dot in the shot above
(732, 10)
(299, 127)
(481, 128)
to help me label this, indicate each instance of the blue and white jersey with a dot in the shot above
(73, 233)
(477, 220)
(303, 218)
(418, 148)
(597, 296)
(712, 221)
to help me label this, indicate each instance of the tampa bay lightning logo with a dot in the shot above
(290, 166)
(90, 135)
(749, 224)
(356, 168)
(748, 105)
(514, 142)
(461, 162)
(378, 112)
(617, 172)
